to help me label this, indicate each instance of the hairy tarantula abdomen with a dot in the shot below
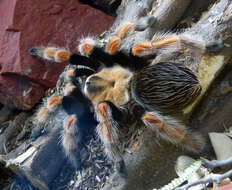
(167, 87)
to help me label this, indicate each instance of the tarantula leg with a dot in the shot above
(139, 49)
(162, 43)
(61, 55)
(53, 102)
(99, 57)
(114, 45)
(146, 48)
(120, 33)
(51, 53)
(155, 122)
(125, 29)
(75, 102)
(42, 114)
(108, 131)
(50, 106)
(174, 131)
(71, 140)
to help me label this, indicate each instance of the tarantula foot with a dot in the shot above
(214, 47)
(51, 105)
(50, 53)
(141, 48)
(107, 109)
(53, 102)
(62, 56)
(86, 46)
(121, 33)
(114, 44)
(120, 167)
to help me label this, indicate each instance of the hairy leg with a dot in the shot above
(108, 131)
(51, 53)
(173, 131)
(169, 42)
(71, 140)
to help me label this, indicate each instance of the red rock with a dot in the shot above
(25, 24)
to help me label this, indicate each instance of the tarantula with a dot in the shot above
(127, 91)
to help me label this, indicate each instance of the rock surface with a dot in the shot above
(24, 24)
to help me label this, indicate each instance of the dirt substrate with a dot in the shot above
(96, 170)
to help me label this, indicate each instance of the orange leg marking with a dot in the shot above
(114, 45)
(70, 122)
(155, 122)
(158, 44)
(115, 42)
(62, 55)
(105, 125)
(141, 47)
(124, 30)
(102, 111)
(87, 48)
(53, 102)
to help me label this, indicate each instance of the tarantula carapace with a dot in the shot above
(127, 91)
